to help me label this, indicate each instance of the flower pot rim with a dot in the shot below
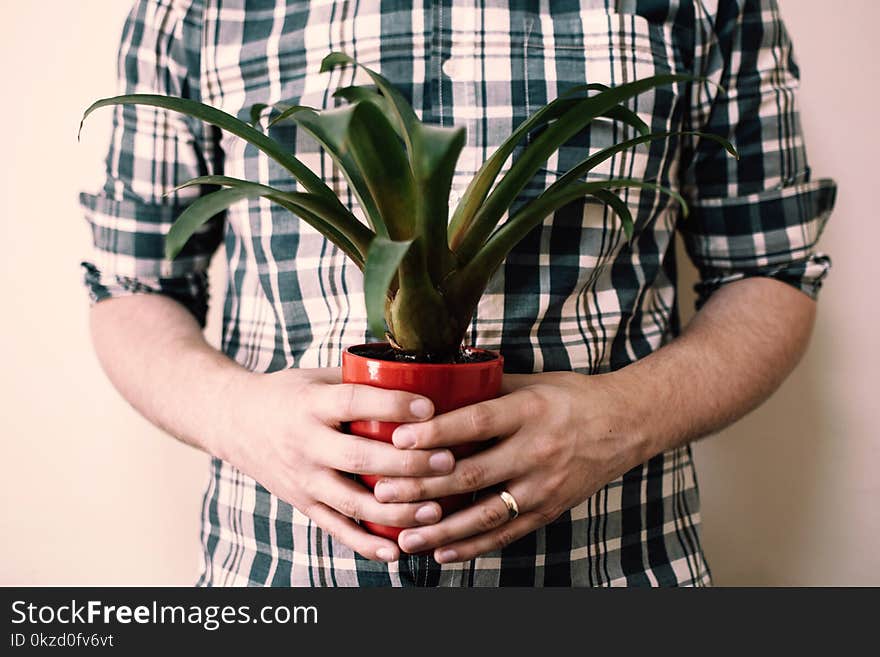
(392, 364)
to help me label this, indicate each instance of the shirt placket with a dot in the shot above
(453, 70)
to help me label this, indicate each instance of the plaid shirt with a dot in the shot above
(574, 295)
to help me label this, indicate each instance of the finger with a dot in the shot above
(356, 502)
(501, 462)
(488, 419)
(487, 514)
(495, 540)
(353, 535)
(345, 402)
(358, 455)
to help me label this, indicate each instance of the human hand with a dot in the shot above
(282, 429)
(562, 437)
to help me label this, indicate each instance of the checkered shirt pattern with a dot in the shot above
(574, 295)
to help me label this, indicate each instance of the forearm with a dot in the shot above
(735, 352)
(153, 351)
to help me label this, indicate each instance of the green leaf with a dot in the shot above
(481, 184)
(339, 226)
(330, 129)
(256, 113)
(575, 119)
(402, 110)
(435, 155)
(583, 167)
(365, 94)
(198, 213)
(229, 123)
(383, 259)
(619, 207)
(335, 59)
(385, 168)
(534, 212)
(288, 113)
(627, 116)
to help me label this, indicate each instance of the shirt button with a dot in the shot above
(450, 67)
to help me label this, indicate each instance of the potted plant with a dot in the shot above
(424, 273)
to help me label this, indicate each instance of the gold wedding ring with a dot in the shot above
(510, 502)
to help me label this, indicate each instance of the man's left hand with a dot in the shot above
(561, 437)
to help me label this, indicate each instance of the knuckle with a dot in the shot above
(400, 402)
(533, 402)
(307, 394)
(472, 475)
(308, 508)
(349, 507)
(546, 516)
(426, 434)
(288, 456)
(555, 481)
(490, 517)
(503, 538)
(355, 459)
(399, 516)
(309, 486)
(546, 447)
(346, 394)
(480, 418)
(414, 463)
(411, 490)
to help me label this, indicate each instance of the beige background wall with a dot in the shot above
(92, 494)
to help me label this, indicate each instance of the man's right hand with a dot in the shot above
(283, 429)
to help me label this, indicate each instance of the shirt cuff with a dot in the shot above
(806, 275)
(772, 233)
(190, 290)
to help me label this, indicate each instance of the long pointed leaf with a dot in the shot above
(340, 227)
(403, 111)
(626, 115)
(287, 113)
(229, 123)
(198, 213)
(383, 259)
(581, 168)
(482, 182)
(362, 93)
(256, 113)
(435, 155)
(283, 109)
(620, 209)
(386, 170)
(539, 151)
(534, 212)
(330, 129)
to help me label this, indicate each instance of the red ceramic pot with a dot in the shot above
(448, 386)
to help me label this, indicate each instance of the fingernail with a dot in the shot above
(404, 437)
(385, 492)
(386, 554)
(427, 514)
(445, 556)
(413, 542)
(441, 462)
(421, 408)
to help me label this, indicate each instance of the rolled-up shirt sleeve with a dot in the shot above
(151, 152)
(763, 214)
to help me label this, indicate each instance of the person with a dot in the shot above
(603, 390)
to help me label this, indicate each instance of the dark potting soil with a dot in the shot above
(387, 352)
